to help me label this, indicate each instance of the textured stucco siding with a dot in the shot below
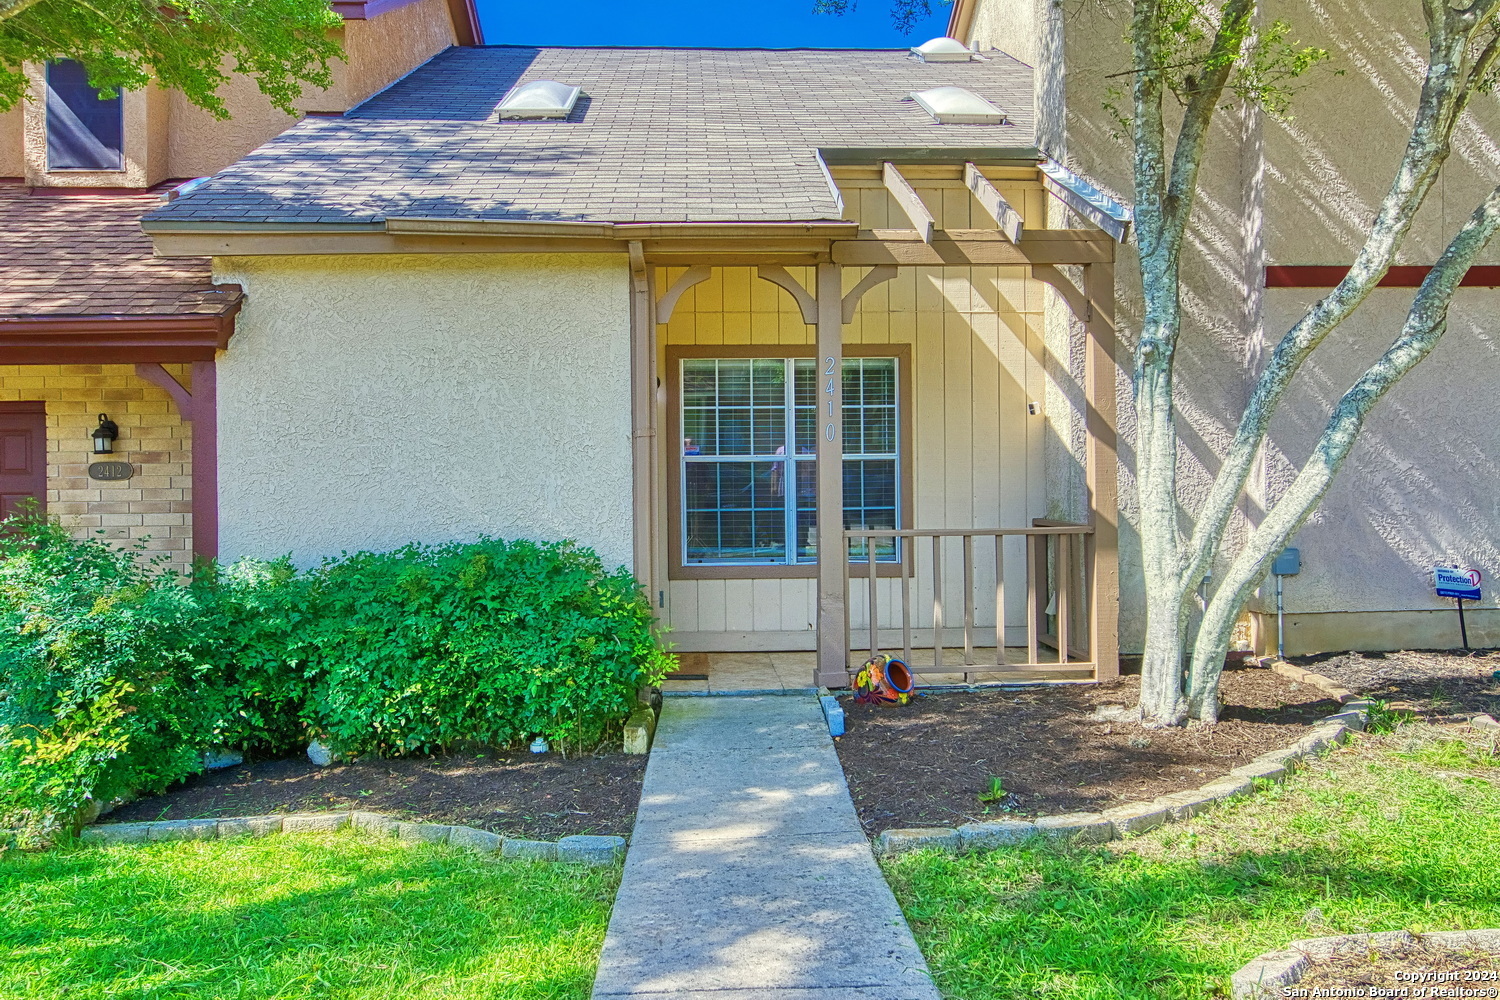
(370, 401)
(1299, 191)
(1418, 488)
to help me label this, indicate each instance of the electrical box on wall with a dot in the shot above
(1289, 563)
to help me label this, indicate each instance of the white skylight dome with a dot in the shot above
(943, 50)
(539, 99)
(957, 106)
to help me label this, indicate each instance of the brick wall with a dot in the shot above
(156, 502)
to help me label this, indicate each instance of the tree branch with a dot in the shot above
(10, 8)
(1425, 324)
(1444, 95)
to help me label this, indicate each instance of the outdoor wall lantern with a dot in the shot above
(104, 435)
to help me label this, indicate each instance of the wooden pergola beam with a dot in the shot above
(905, 196)
(993, 202)
(976, 248)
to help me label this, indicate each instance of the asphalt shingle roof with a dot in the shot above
(79, 254)
(662, 135)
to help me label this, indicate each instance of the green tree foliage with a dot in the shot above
(192, 46)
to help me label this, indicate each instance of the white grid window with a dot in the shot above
(749, 429)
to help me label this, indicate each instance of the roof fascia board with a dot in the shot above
(116, 339)
(961, 20)
(157, 227)
(498, 236)
(995, 155)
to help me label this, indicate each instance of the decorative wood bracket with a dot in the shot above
(158, 376)
(689, 278)
(876, 275)
(777, 275)
(1077, 301)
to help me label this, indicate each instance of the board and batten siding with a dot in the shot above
(368, 401)
(975, 454)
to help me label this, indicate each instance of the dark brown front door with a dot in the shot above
(23, 455)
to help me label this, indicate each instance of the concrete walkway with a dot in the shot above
(748, 875)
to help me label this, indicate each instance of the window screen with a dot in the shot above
(84, 132)
(749, 428)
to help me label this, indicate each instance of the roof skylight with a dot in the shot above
(539, 99)
(943, 50)
(957, 106)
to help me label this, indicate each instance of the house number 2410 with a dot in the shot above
(831, 431)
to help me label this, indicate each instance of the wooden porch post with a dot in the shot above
(833, 655)
(643, 422)
(201, 409)
(1102, 473)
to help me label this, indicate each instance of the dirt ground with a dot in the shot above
(928, 763)
(1379, 968)
(1441, 685)
(541, 796)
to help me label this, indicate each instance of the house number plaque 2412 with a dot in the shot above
(110, 471)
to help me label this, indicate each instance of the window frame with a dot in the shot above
(677, 568)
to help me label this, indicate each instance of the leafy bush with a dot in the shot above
(428, 647)
(98, 685)
(116, 673)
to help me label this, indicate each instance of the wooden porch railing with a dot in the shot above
(1059, 619)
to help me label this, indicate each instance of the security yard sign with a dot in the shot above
(1461, 585)
(1451, 581)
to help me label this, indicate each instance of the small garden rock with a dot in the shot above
(482, 841)
(529, 850)
(942, 838)
(1136, 817)
(1270, 770)
(1484, 722)
(995, 833)
(639, 729)
(423, 833)
(1186, 805)
(1086, 828)
(249, 826)
(320, 754)
(117, 833)
(183, 829)
(1229, 787)
(314, 822)
(374, 823)
(585, 850)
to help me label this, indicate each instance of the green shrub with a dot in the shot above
(98, 683)
(429, 647)
(116, 673)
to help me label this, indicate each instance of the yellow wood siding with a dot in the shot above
(976, 336)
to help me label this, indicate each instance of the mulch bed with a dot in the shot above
(540, 796)
(927, 763)
(1362, 970)
(1440, 685)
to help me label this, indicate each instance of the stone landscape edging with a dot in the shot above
(576, 849)
(1118, 822)
(1268, 974)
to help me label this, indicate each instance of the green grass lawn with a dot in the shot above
(331, 916)
(1396, 831)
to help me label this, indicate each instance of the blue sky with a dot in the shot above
(768, 23)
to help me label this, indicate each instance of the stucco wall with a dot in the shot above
(369, 401)
(12, 143)
(385, 48)
(1298, 192)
